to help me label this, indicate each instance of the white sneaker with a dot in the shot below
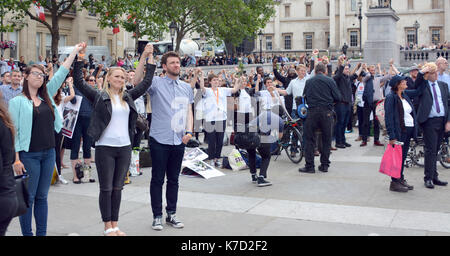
(62, 180)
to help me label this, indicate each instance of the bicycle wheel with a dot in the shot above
(444, 154)
(417, 154)
(294, 150)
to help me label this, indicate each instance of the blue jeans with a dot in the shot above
(39, 166)
(166, 160)
(343, 116)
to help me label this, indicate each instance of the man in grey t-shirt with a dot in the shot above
(171, 129)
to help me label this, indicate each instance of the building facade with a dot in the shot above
(34, 39)
(303, 25)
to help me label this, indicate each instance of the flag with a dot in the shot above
(39, 11)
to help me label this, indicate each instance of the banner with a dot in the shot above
(70, 117)
(193, 159)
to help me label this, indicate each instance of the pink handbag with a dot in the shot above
(391, 164)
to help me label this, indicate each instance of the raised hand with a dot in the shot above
(148, 50)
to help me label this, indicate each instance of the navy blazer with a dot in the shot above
(426, 99)
(392, 116)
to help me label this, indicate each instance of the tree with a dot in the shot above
(135, 16)
(56, 8)
(231, 19)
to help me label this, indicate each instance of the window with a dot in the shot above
(308, 41)
(110, 45)
(353, 5)
(288, 42)
(328, 8)
(411, 36)
(436, 4)
(436, 35)
(287, 11)
(308, 10)
(354, 38)
(410, 4)
(327, 36)
(38, 45)
(268, 43)
(91, 40)
(62, 41)
(48, 45)
(14, 36)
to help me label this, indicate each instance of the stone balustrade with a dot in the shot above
(410, 57)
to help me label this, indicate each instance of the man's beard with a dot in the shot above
(172, 73)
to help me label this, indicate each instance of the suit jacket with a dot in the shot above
(426, 99)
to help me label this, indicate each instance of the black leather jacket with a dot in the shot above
(101, 115)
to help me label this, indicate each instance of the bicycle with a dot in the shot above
(291, 142)
(416, 154)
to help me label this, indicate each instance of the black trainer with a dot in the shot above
(323, 168)
(305, 170)
(347, 145)
(263, 183)
(254, 179)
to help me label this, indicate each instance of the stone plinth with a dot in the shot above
(381, 44)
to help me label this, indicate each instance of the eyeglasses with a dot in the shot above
(91, 80)
(38, 74)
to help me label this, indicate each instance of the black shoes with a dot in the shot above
(440, 183)
(254, 178)
(323, 168)
(263, 183)
(347, 145)
(305, 170)
(396, 186)
(405, 184)
(429, 184)
(340, 145)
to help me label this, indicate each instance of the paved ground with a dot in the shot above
(351, 199)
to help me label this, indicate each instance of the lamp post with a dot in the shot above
(260, 34)
(360, 17)
(173, 28)
(417, 26)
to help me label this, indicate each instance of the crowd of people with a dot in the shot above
(431, 47)
(180, 105)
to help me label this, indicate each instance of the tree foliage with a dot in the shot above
(231, 20)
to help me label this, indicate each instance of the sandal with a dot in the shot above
(118, 232)
(110, 232)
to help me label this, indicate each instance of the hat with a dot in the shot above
(414, 67)
(395, 80)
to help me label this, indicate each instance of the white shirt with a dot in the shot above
(409, 120)
(296, 88)
(215, 103)
(116, 133)
(61, 105)
(245, 102)
(267, 101)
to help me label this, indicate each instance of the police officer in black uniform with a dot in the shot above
(321, 92)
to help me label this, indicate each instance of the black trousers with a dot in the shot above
(264, 151)
(215, 132)
(406, 139)
(112, 166)
(433, 133)
(318, 118)
(58, 146)
(366, 123)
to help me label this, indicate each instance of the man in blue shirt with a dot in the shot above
(171, 129)
(442, 65)
(11, 90)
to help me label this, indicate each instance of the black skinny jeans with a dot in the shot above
(112, 166)
(406, 139)
(264, 151)
(215, 132)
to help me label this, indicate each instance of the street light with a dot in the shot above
(260, 34)
(173, 28)
(417, 26)
(360, 17)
